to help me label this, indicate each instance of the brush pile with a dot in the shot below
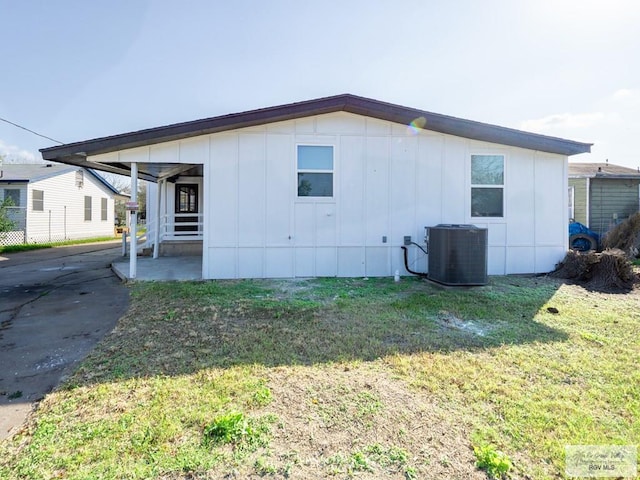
(625, 236)
(606, 271)
(610, 270)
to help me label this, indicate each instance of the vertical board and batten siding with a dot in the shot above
(389, 181)
(63, 214)
(579, 199)
(612, 200)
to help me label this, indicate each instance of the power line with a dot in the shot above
(31, 131)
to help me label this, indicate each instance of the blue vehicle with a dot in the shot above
(581, 238)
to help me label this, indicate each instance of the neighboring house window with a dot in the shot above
(572, 195)
(315, 171)
(87, 208)
(38, 200)
(487, 185)
(79, 178)
(103, 209)
(14, 195)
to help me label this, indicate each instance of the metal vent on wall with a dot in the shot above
(458, 254)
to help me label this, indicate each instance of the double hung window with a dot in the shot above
(315, 171)
(87, 209)
(487, 185)
(37, 198)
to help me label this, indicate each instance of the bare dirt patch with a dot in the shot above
(344, 421)
(449, 320)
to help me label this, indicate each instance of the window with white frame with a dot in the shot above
(87, 209)
(13, 195)
(487, 185)
(103, 209)
(315, 171)
(37, 197)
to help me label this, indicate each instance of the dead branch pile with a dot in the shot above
(625, 236)
(610, 270)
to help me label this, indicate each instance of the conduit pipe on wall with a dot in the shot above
(406, 264)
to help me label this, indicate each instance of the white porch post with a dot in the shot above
(133, 242)
(156, 237)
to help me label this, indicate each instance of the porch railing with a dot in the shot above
(181, 226)
(142, 239)
(170, 229)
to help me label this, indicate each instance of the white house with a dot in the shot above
(55, 203)
(330, 187)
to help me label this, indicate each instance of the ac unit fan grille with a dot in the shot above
(458, 255)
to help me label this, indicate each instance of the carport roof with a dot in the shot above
(77, 153)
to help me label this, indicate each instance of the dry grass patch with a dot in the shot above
(355, 420)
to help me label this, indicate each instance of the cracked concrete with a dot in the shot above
(55, 305)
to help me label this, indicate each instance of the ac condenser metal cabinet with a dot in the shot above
(458, 254)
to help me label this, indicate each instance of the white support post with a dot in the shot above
(156, 237)
(133, 241)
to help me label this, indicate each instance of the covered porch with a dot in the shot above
(175, 221)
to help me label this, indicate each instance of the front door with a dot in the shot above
(186, 207)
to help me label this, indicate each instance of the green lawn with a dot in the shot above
(24, 247)
(343, 378)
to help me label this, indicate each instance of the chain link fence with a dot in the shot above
(49, 229)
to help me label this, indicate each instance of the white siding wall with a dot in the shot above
(389, 181)
(63, 214)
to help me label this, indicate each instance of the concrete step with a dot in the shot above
(180, 248)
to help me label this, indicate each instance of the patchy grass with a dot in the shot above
(343, 378)
(24, 247)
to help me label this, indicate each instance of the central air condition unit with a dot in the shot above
(458, 254)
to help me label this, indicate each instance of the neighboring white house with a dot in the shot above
(330, 187)
(56, 202)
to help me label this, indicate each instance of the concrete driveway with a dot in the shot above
(55, 305)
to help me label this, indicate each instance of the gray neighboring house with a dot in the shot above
(602, 195)
(55, 203)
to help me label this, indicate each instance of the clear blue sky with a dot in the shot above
(80, 69)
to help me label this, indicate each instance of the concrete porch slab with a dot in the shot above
(163, 269)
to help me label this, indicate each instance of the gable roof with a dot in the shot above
(29, 173)
(601, 170)
(16, 172)
(76, 153)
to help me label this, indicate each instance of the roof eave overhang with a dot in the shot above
(77, 153)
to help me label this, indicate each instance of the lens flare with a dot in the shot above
(417, 124)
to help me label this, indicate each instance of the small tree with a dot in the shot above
(6, 224)
(142, 199)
